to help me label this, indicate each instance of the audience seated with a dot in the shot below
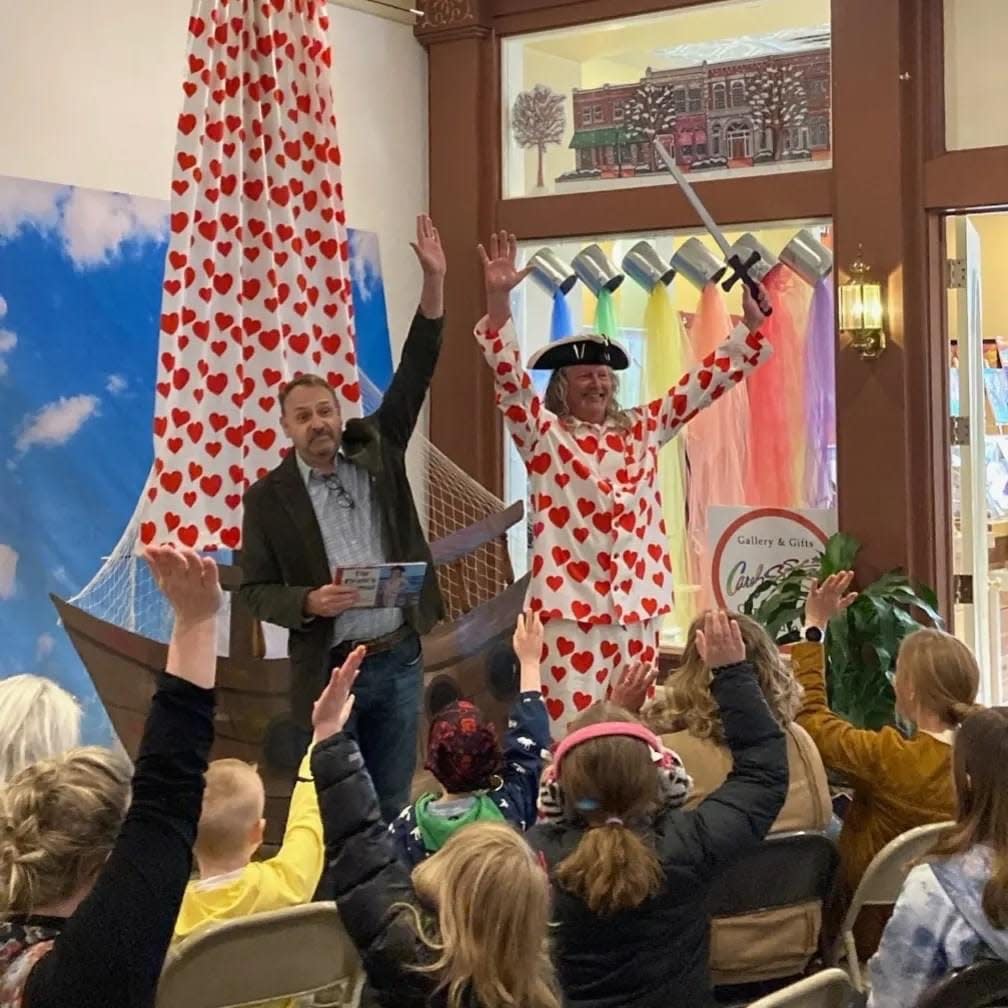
(90, 878)
(780, 942)
(478, 782)
(630, 874)
(898, 782)
(953, 909)
(38, 719)
(466, 929)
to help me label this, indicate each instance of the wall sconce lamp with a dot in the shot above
(861, 312)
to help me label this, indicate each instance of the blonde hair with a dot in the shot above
(941, 671)
(980, 769)
(38, 720)
(491, 898)
(686, 703)
(233, 803)
(612, 868)
(59, 819)
(555, 399)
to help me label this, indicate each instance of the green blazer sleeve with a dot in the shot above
(262, 588)
(397, 415)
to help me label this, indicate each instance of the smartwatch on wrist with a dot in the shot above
(813, 635)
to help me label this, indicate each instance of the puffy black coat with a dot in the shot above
(655, 956)
(367, 879)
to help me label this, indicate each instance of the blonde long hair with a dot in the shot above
(38, 719)
(492, 902)
(686, 703)
(941, 672)
(59, 819)
(980, 770)
(555, 400)
(612, 868)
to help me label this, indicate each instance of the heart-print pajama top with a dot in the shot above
(599, 552)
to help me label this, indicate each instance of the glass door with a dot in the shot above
(978, 399)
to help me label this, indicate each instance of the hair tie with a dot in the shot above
(614, 821)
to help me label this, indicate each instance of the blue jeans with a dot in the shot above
(385, 719)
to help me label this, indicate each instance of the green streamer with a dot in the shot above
(605, 315)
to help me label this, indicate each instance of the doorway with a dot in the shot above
(977, 262)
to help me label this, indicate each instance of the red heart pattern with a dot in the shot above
(257, 286)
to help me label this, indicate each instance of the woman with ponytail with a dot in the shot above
(953, 909)
(630, 869)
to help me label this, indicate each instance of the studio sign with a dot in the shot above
(750, 544)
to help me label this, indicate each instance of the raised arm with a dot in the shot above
(113, 947)
(740, 813)
(400, 407)
(524, 414)
(743, 351)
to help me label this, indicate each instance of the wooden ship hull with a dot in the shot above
(467, 656)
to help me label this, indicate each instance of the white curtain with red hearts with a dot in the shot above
(257, 287)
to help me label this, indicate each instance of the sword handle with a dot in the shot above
(740, 272)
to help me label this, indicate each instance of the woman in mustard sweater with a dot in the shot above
(898, 782)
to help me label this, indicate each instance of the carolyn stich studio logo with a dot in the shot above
(750, 544)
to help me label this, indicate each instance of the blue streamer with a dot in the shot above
(561, 323)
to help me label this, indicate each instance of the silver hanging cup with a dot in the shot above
(551, 272)
(595, 271)
(694, 261)
(744, 249)
(808, 257)
(644, 266)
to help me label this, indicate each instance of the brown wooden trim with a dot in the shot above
(515, 17)
(931, 71)
(966, 179)
(758, 198)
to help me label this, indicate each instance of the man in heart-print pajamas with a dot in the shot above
(601, 577)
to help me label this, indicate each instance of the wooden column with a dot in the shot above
(888, 425)
(464, 188)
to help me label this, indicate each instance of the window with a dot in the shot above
(819, 133)
(738, 93)
(679, 99)
(618, 112)
(700, 150)
(818, 89)
(597, 113)
(716, 139)
(586, 116)
(719, 95)
(694, 98)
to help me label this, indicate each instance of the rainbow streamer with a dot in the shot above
(715, 442)
(820, 397)
(605, 315)
(776, 434)
(668, 357)
(561, 323)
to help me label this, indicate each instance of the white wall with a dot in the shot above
(91, 91)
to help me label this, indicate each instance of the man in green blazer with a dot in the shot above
(342, 498)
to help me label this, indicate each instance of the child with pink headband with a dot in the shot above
(630, 867)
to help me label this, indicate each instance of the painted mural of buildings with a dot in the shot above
(728, 115)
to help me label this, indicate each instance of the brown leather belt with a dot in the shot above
(379, 645)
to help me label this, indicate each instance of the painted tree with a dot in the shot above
(651, 111)
(537, 119)
(778, 102)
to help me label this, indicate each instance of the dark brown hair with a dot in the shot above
(304, 381)
(609, 782)
(979, 762)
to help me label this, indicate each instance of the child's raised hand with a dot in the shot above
(188, 581)
(528, 644)
(632, 689)
(333, 707)
(720, 642)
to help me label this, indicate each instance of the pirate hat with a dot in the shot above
(588, 349)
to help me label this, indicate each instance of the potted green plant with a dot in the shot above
(861, 644)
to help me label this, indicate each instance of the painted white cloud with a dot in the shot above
(116, 384)
(95, 224)
(8, 341)
(3, 306)
(57, 422)
(25, 203)
(8, 568)
(44, 646)
(365, 263)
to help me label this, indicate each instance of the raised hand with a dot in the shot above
(335, 702)
(501, 275)
(755, 310)
(428, 248)
(829, 598)
(720, 642)
(528, 644)
(632, 689)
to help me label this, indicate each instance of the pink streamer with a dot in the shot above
(820, 397)
(776, 401)
(715, 441)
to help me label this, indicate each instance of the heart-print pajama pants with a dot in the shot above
(583, 661)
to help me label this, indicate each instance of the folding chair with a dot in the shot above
(881, 885)
(984, 984)
(830, 988)
(270, 956)
(786, 869)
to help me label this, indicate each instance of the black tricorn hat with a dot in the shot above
(587, 349)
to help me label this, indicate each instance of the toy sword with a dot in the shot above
(739, 268)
